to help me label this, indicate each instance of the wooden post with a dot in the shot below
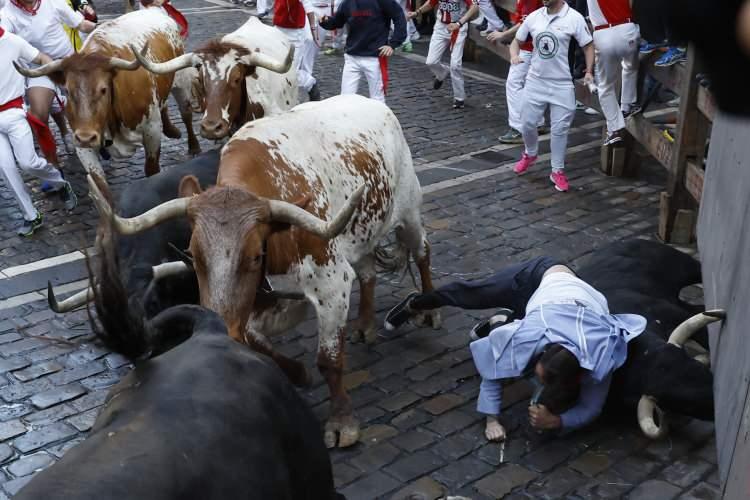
(691, 133)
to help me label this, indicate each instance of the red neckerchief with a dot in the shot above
(29, 10)
(172, 12)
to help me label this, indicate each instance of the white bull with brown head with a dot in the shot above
(280, 180)
(244, 75)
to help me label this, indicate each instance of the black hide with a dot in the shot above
(645, 277)
(209, 419)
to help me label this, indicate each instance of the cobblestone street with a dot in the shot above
(415, 390)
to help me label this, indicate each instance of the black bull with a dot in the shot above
(208, 419)
(646, 277)
(139, 253)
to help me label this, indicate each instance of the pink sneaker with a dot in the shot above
(559, 180)
(524, 163)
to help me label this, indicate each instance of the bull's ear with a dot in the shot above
(189, 186)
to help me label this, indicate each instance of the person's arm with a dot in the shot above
(424, 9)
(71, 18)
(590, 404)
(339, 18)
(503, 36)
(515, 52)
(470, 14)
(394, 12)
(310, 12)
(588, 52)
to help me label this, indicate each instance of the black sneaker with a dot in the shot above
(400, 313)
(437, 83)
(29, 226)
(457, 104)
(68, 196)
(614, 138)
(634, 110)
(484, 328)
(314, 93)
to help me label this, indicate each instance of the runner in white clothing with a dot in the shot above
(549, 83)
(39, 22)
(451, 27)
(616, 39)
(16, 141)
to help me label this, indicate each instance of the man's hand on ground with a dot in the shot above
(385, 51)
(541, 418)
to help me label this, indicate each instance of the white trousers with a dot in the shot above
(494, 23)
(440, 41)
(560, 97)
(411, 28)
(337, 36)
(305, 52)
(354, 68)
(514, 90)
(17, 147)
(616, 54)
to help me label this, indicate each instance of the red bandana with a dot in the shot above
(29, 10)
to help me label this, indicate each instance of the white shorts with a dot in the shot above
(41, 81)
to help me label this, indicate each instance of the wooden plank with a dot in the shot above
(672, 77)
(706, 103)
(724, 250)
(694, 180)
(652, 139)
(691, 133)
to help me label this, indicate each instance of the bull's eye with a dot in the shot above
(103, 90)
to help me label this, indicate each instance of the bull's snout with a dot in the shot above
(87, 138)
(214, 129)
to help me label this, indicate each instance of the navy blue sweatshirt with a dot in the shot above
(369, 23)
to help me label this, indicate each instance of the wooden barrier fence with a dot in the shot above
(681, 153)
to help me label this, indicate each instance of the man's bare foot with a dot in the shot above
(494, 430)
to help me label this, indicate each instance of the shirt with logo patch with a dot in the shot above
(450, 11)
(552, 35)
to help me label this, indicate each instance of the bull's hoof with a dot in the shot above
(194, 149)
(368, 333)
(172, 132)
(341, 431)
(430, 319)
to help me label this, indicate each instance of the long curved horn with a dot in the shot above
(271, 64)
(647, 408)
(45, 70)
(134, 225)
(117, 63)
(687, 328)
(169, 269)
(73, 302)
(160, 68)
(282, 211)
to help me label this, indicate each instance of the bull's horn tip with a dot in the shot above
(51, 299)
(716, 313)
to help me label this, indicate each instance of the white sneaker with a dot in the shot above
(591, 111)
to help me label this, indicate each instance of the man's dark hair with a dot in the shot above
(562, 379)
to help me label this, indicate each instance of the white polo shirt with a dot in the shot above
(552, 34)
(13, 48)
(44, 30)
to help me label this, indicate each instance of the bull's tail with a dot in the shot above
(394, 258)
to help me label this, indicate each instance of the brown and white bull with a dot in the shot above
(279, 180)
(110, 98)
(236, 88)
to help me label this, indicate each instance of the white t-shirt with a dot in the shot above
(44, 30)
(13, 48)
(564, 288)
(552, 34)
